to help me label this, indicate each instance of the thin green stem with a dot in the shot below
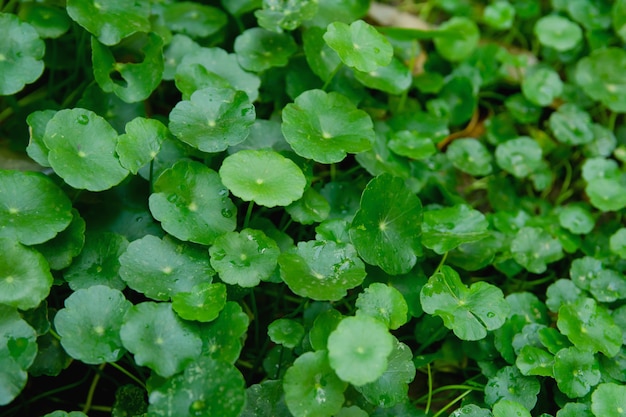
(442, 262)
(246, 220)
(332, 75)
(563, 194)
(128, 374)
(430, 389)
(92, 388)
(612, 120)
(450, 404)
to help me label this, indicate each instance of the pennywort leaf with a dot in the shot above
(534, 249)
(599, 78)
(558, 32)
(141, 143)
(258, 49)
(384, 303)
(203, 303)
(520, 156)
(195, 20)
(446, 228)
(463, 39)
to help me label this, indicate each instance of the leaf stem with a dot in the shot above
(430, 389)
(442, 262)
(246, 220)
(128, 374)
(450, 404)
(331, 76)
(612, 120)
(92, 388)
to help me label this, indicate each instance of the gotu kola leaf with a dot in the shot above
(446, 228)
(599, 76)
(141, 143)
(258, 49)
(203, 303)
(384, 303)
(469, 312)
(386, 229)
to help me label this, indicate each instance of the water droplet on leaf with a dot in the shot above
(83, 119)
(227, 213)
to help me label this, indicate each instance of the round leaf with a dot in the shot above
(608, 400)
(311, 208)
(244, 258)
(462, 39)
(159, 339)
(48, 20)
(192, 204)
(258, 49)
(90, 323)
(223, 337)
(577, 219)
(600, 78)
(207, 388)
(82, 150)
(32, 208)
(571, 125)
(386, 229)
(321, 270)
(358, 349)
(384, 303)
(286, 332)
(412, 144)
(312, 388)
(325, 126)
(141, 143)
(394, 78)
(617, 243)
(534, 248)
(25, 278)
(499, 15)
(446, 228)
(576, 371)
(506, 408)
(607, 194)
(542, 86)
(203, 303)
(558, 32)
(161, 268)
(21, 53)
(265, 177)
(471, 410)
(213, 119)
(509, 384)
(195, 20)
(520, 156)
(359, 45)
(470, 156)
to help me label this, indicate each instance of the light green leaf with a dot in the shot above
(279, 15)
(558, 32)
(141, 143)
(463, 39)
(223, 337)
(286, 332)
(532, 360)
(446, 228)
(608, 400)
(384, 303)
(520, 156)
(311, 208)
(617, 242)
(413, 144)
(50, 21)
(542, 85)
(599, 76)
(195, 20)
(534, 249)
(499, 15)
(471, 410)
(258, 49)
(507, 408)
(203, 303)
(607, 194)
(576, 218)
(576, 371)
(510, 384)
(322, 59)
(470, 156)
(571, 125)
(37, 122)
(394, 78)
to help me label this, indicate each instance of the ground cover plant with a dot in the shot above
(312, 208)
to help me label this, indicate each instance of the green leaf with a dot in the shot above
(312, 388)
(161, 268)
(266, 400)
(21, 54)
(223, 337)
(18, 348)
(98, 263)
(208, 387)
(90, 323)
(178, 48)
(264, 176)
(542, 85)
(25, 278)
(520, 156)
(534, 249)
(322, 59)
(446, 228)
(599, 76)
(506, 408)
(471, 410)
(213, 119)
(618, 18)
(49, 21)
(576, 371)
(470, 156)
(589, 326)
(279, 15)
(286, 332)
(33, 209)
(135, 78)
(387, 227)
(159, 339)
(195, 20)
(510, 384)
(576, 218)
(384, 303)
(608, 400)
(393, 385)
(66, 245)
(359, 45)
(66, 414)
(558, 32)
(203, 303)
(244, 258)
(323, 326)
(394, 78)
(499, 15)
(463, 39)
(37, 122)
(532, 360)
(595, 168)
(192, 204)
(321, 270)
(617, 242)
(111, 21)
(82, 150)
(412, 144)
(607, 194)
(571, 125)
(258, 49)
(359, 348)
(469, 312)
(141, 143)
(311, 208)
(325, 126)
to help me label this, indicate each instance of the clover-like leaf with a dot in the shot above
(387, 227)
(542, 85)
(263, 176)
(159, 339)
(446, 228)
(33, 209)
(509, 384)
(558, 32)
(286, 332)
(392, 386)
(203, 303)
(359, 45)
(112, 20)
(132, 80)
(161, 268)
(90, 323)
(325, 126)
(207, 387)
(223, 337)
(321, 270)
(384, 303)
(469, 312)
(359, 348)
(141, 143)
(312, 388)
(279, 15)
(576, 371)
(534, 249)
(195, 20)
(25, 278)
(470, 156)
(520, 156)
(571, 125)
(244, 258)
(462, 40)
(192, 204)
(21, 54)
(600, 79)
(82, 150)
(213, 119)
(608, 400)
(259, 49)
(394, 78)
(576, 218)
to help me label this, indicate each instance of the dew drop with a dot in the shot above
(227, 213)
(223, 192)
(83, 119)
(491, 314)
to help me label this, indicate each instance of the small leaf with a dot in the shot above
(558, 32)
(471, 410)
(499, 15)
(470, 156)
(278, 15)
(576, 218)
(325, 126)
(311, 208)
(520, 156)
(608, 400)
(542, 85)
(576, 371)
(90, 323)
(37, 122)
(534, 249)
(463, 39)
(412, 144)
(21, 54)
(159, 339)
(286, 332)
(394, 78)
(192, 204)
(141, 143)
(266, 399)
(571, 125)
(384, 303)
(386, 228)
(509, 384)
(532, 360)
(312, 388)
(203, 303)
(323, 326)
(195, 20)
(446, 228)
(258, 49)
(469, 312)
(358, 349)
(50, 21)
(66, 245)
(322, 59)
(244, 258)
(600, 79)
(223, 337)
(265, 177)
(359, 45)
(607, 194)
